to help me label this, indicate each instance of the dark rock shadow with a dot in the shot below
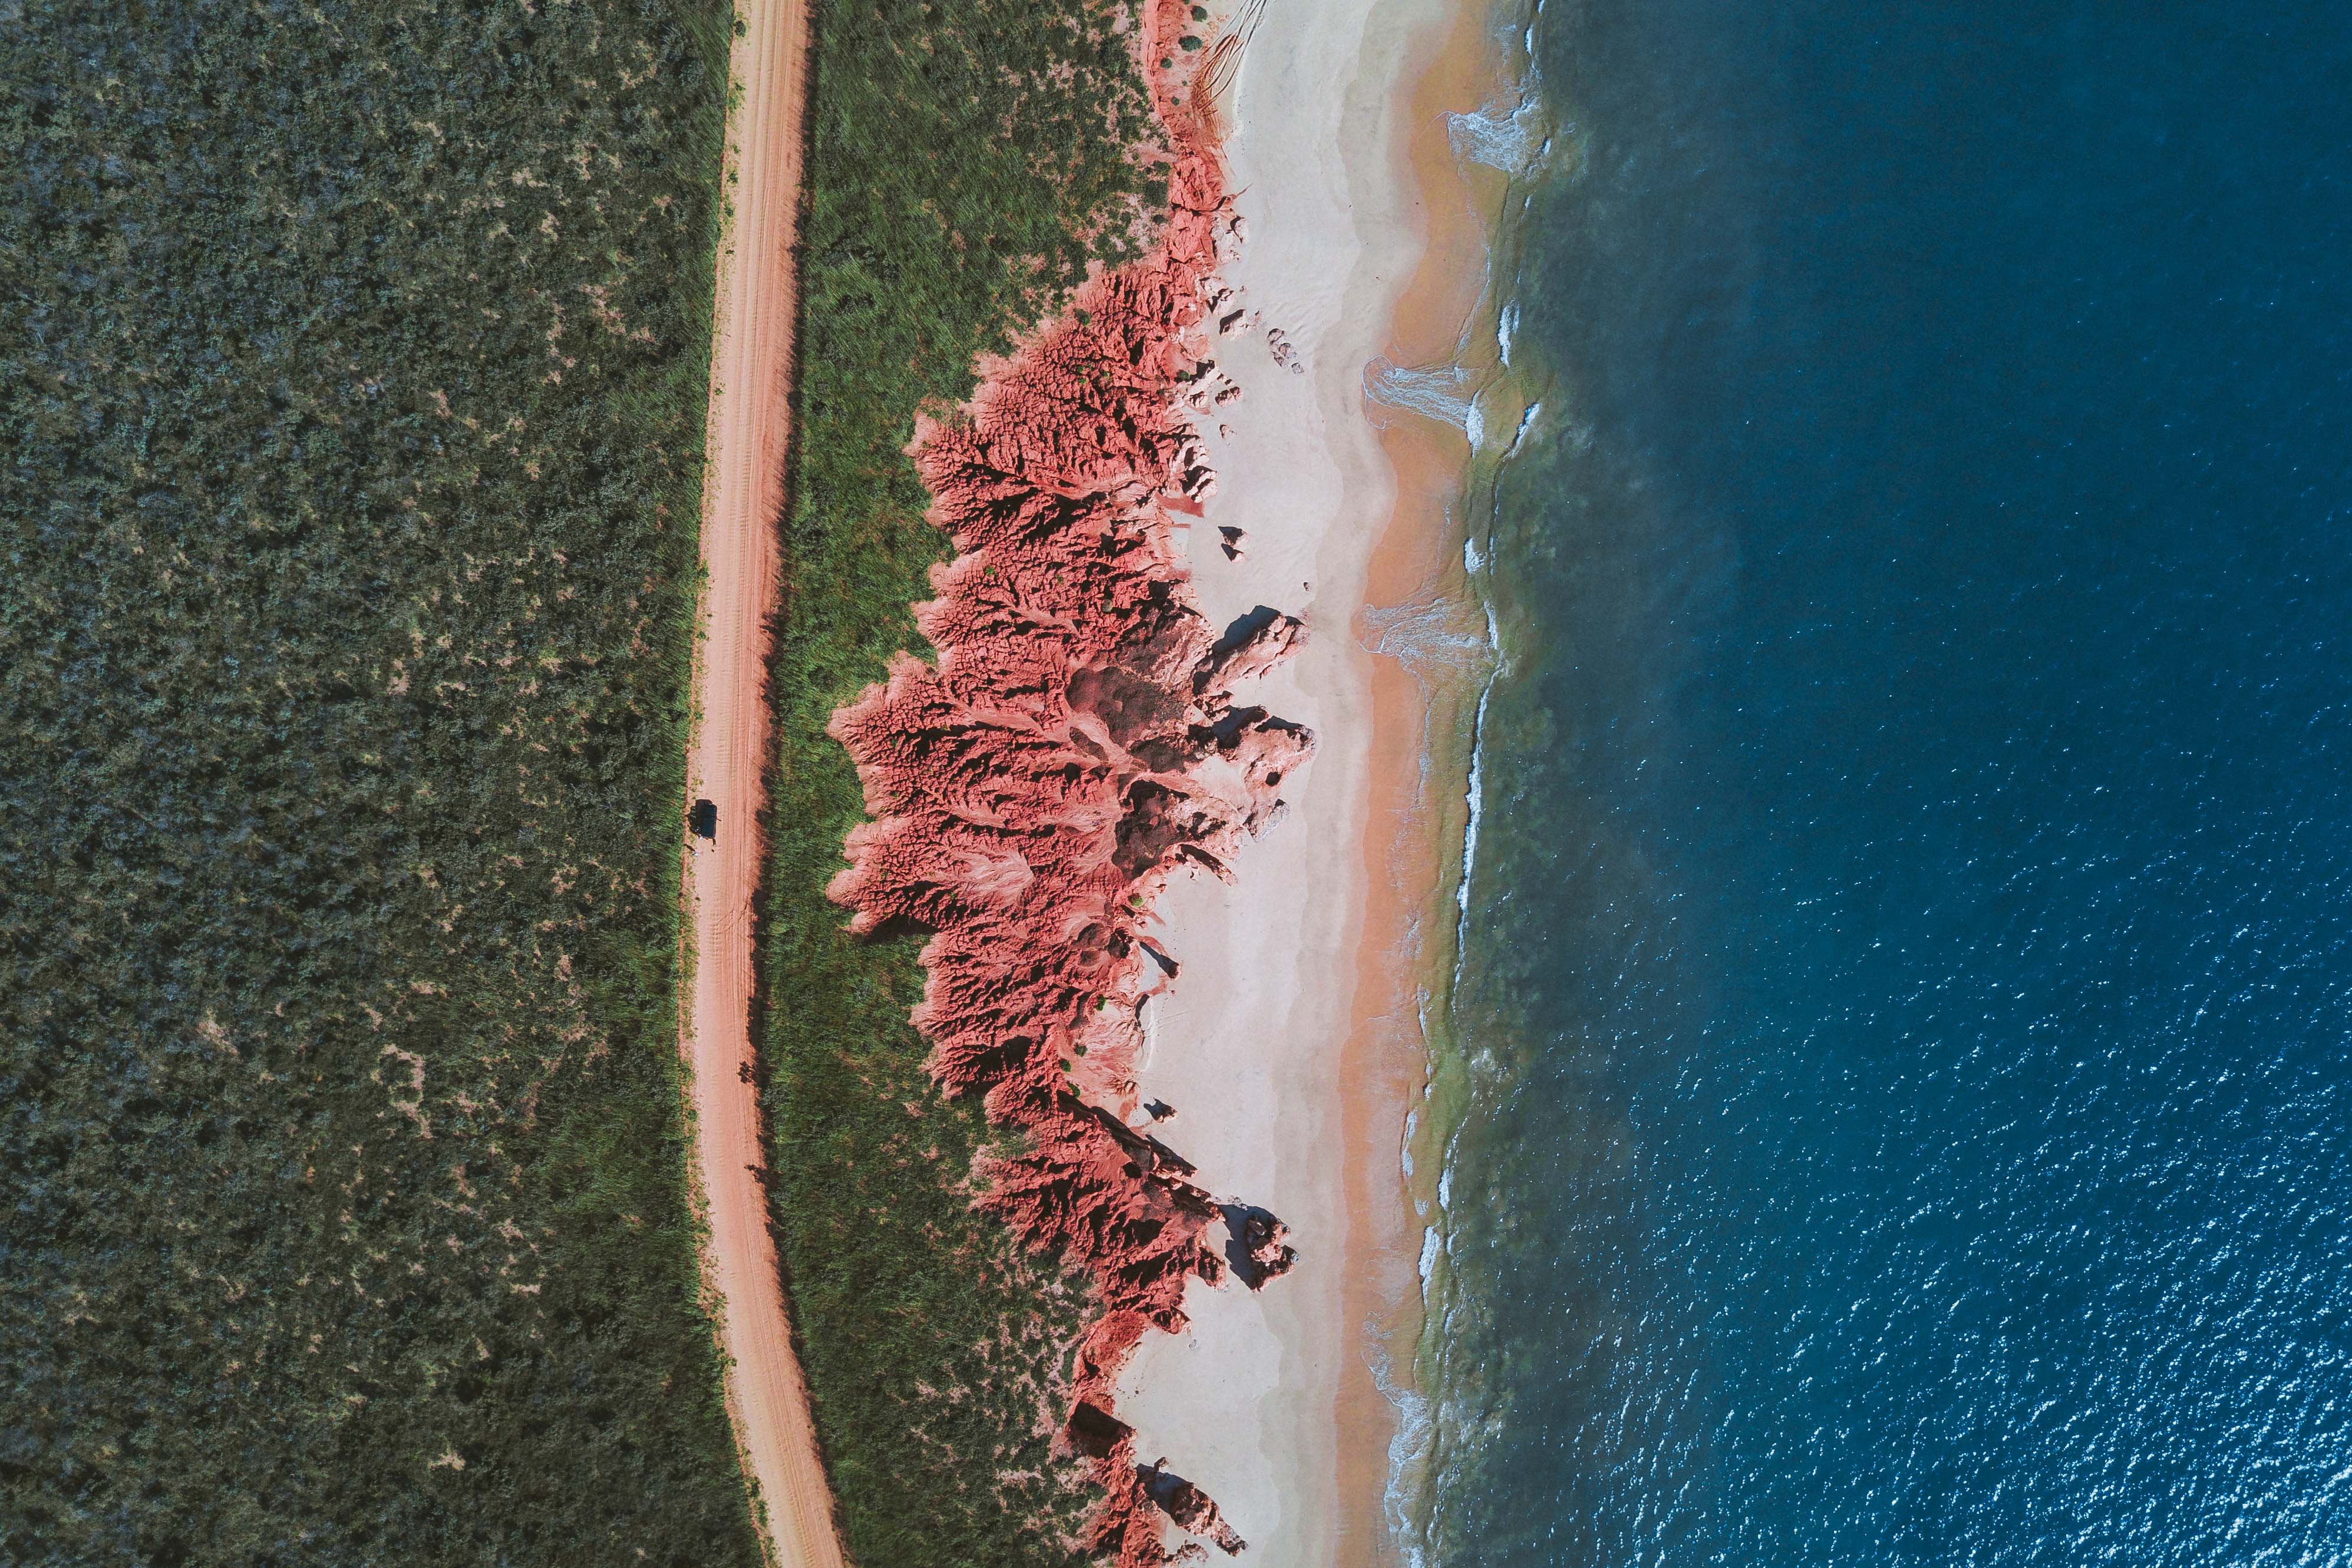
(897, 927)
(1094, 1432)
(1188, 1505)
(1246, 627)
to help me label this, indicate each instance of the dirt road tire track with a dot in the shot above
(743, 493)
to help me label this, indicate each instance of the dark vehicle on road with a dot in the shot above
(703, 820)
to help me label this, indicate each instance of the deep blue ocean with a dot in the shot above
(1907, 979)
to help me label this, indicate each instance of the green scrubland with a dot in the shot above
(353, 362)
(967, 159)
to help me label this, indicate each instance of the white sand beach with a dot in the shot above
(1290, 1071)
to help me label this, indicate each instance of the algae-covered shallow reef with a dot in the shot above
(352, 369)
(965, 164)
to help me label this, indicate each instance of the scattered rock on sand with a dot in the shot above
(1192, 1509)
(1266, 1239)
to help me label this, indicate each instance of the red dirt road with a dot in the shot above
(743, 493)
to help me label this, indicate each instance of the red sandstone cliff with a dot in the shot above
(1076, 744)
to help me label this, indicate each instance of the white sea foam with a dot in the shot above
(1409, 1452)
(1426, 635)
(1506, 138)
(1440, 392)
(1476, 794)
(1526, 422)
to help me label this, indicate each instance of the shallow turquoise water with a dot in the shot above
(1906, 975)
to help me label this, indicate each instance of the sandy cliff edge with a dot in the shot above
(1133, 493)
(1292, 1046)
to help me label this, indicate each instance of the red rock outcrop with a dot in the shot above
(1076, 744)
(1268, 1242)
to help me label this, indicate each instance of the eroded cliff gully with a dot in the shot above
(1077, 743)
